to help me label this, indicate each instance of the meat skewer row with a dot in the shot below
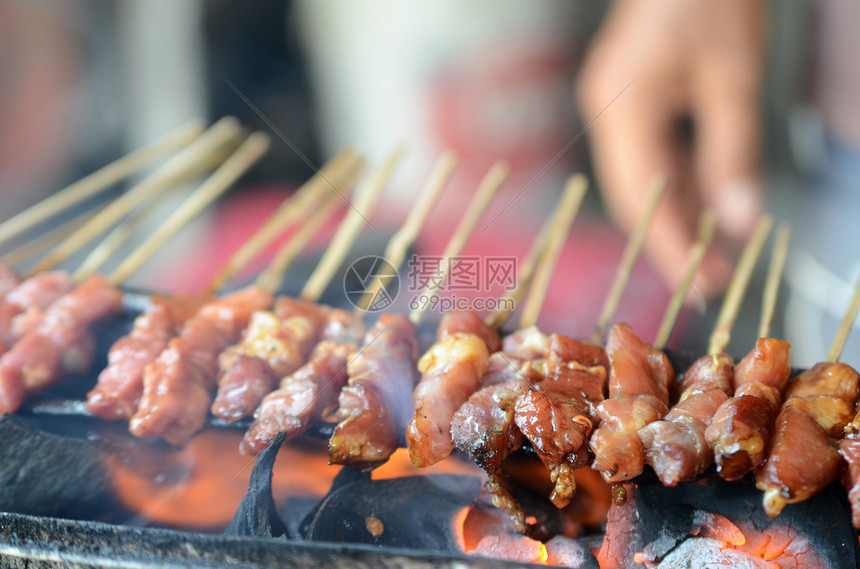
(558, 415)
(59, 341)
(485, 426)
(276, 343)
(675, 446)
(479, 418)
(616, 548)
(305, 393)
(549, 399)
(818, 409)
(375, 406)
(639, 378)
(185, 373)
(119, 388)
(304, 396)
(367, 396)
(740, 432)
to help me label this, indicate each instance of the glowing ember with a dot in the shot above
(200, 486)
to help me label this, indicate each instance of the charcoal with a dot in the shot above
(346, 475)
(669, 517)
(48, 475)
(707, 552)
(257, 514)
(412, 512)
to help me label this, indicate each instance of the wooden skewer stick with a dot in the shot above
(294, 208)
(738, 286)
(486, 190)
(774, 277)
(845, 328)
(525, 271)
(98, 181)
(111, 243)
(45, 241)
(254, 147)
(197, 155)
(697, 253)
(349, 228)
(122, 231)
(398, 245)
(272, 277)
(628, 258)
(571, 201)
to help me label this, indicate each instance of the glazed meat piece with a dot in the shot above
(274, 345)
(305, 395)
(120, 385)
(803, 458)
(469, 322)
(556, 416)
(639, 379)
(566, 349)
(60, 344)
(526, 343)
(675, 446)
(375, 406)
(23, 308)
(451, 371)
(178, 385)
(740, 432)
(518, 348)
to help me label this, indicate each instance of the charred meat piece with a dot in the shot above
(178, 385)
(675, 446)
(483, 427)
(803, 458)
(740, 432)
(120, 385)
(374, 408)
(60, 344)
(274, 345)
(305, 395)
(451, 371)
(639, 379)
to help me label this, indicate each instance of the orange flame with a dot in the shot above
(200, 486)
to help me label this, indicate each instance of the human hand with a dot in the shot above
(683, 59)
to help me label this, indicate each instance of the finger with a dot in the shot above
(726, 103)
(631, 141)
